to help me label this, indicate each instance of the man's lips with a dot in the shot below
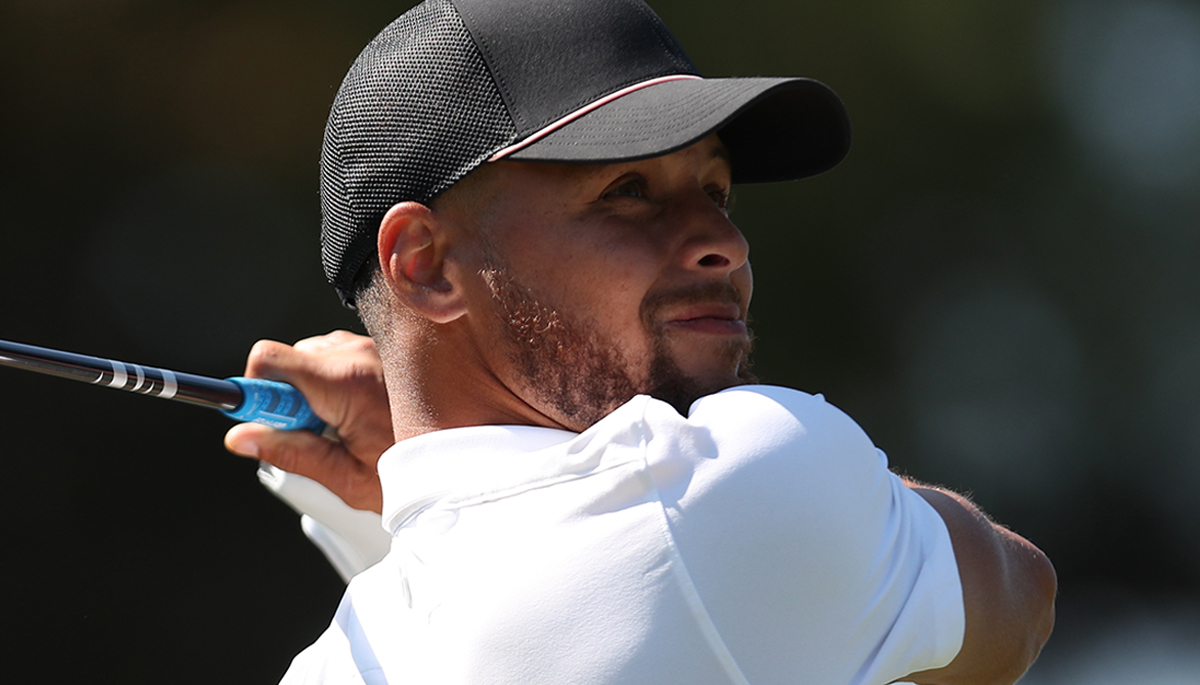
(713, 319)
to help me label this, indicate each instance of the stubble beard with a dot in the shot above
(581, 374)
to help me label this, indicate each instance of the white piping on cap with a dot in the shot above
(584, 110)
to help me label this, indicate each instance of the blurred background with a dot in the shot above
(1001, 284)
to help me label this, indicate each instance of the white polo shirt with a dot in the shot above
(759, 540)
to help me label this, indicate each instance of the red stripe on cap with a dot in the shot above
(533, 138)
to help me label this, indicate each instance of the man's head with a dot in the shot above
(544, 184)
(576, 286)
(454, 84)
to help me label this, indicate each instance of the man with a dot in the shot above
(526, 201)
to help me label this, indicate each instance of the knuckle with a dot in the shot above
(331, 339)
(264, 354)
(365, 384)
(365, 344)
(312, 344)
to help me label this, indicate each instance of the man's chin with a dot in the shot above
(680, 381)
(680, 390)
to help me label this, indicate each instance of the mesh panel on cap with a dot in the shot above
(416, 113)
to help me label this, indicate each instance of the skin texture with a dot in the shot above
(552, 351)
(1009, 588)
(549, 295)
(656, 302)
(658, 289)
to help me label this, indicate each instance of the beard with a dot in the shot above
(580, 373)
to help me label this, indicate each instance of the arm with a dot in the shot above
(342, 378)
(1008, 587)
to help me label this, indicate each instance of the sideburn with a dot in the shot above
(560, 362)
(578, 372)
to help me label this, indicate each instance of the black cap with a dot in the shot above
(453, 84)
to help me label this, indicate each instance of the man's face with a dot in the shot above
(600, 282)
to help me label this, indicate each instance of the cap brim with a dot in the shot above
(776, 129)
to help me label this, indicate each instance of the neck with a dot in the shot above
(438, 379)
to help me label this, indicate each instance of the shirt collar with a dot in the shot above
(418, 471)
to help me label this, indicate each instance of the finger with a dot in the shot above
(281, 362)
(343, 384)
(275, 360)
(312, 456)
(310, 368)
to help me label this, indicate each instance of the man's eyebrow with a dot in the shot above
(720, 152)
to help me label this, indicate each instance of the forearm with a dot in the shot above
(1008, 587)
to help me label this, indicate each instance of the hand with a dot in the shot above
(342, 378)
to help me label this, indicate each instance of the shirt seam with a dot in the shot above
(462, 501)
(683, 579)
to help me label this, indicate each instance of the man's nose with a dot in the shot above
(711, 242)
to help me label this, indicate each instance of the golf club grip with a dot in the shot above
(275, 404)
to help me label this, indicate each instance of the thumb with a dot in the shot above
(310, 455)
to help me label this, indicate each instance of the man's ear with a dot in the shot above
(412, 255)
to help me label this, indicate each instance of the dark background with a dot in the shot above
(1001, 284)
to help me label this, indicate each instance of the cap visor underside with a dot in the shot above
(776, 129)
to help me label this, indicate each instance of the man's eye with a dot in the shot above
(631, 188)
(720, 197)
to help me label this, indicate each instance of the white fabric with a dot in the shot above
(760, 540)
(351, 539)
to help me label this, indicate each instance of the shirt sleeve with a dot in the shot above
(816, 563)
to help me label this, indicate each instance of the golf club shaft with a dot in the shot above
(247, 399)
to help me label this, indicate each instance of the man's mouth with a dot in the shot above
(716, 318)
(714, 309)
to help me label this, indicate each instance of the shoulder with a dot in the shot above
(755, 421)
(784, 508)
(773, 447)
(768, 407)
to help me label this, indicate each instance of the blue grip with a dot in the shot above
(275, 404)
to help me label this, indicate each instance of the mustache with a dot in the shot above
(705, 293)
